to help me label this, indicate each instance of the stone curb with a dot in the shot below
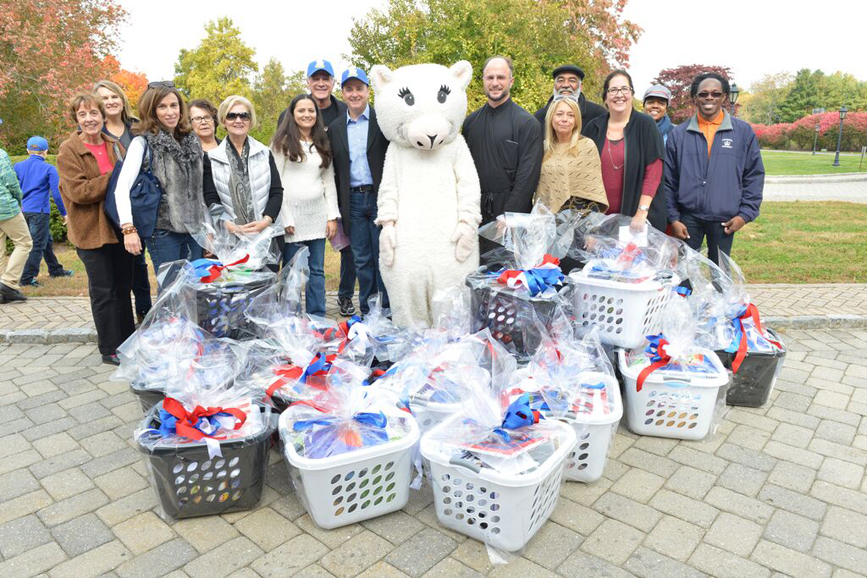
(88, 335)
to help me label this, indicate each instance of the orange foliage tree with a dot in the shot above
(132, 83)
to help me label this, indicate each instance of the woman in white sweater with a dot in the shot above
(309, 212)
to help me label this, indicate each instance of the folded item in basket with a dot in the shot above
(330, 436)
(209, 270)
(292, 376)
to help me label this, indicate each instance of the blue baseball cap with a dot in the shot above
(318, 65)
(353, 72)
(37, 143)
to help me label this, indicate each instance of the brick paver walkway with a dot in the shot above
(772, 300)
(779, 490)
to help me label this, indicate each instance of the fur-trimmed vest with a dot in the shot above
(178, 167)
(260, 175)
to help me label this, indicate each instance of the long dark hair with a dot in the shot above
(147, 109)
(287, 139)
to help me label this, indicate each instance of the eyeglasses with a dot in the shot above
(201, 119)
(715, 94)
(624, 90)
(161, 84)
(245, 116)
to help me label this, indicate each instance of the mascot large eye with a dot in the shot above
(407, 96)
(444, 93)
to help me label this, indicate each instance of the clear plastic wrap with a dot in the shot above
(283, 298)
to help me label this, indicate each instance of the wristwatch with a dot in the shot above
(643, 207)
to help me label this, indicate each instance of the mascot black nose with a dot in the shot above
(432, 139)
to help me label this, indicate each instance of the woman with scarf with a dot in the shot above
(175, 157)
(241, 181)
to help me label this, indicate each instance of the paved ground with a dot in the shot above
(783, 301)
(853, 192)
(779, 490)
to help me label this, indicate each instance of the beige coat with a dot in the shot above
(565, 176)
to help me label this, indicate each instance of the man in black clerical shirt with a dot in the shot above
(506, 144)
(568, 81)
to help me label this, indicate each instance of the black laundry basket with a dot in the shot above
(148, 397)
(752, 384)
(221, 306)
(510, 315)
(189, 483)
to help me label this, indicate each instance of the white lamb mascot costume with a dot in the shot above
(429, 197)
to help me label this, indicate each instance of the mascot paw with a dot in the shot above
(387, 242)
(465, 239)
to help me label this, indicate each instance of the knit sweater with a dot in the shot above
(565, 175)
(10, 190)
(309, 195)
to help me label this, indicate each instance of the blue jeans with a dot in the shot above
(166, 246)
(314, 294)
(43, 246)
(347, 274)
(364, 235)
(717, 240)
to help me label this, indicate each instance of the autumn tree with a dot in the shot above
(536, 35)
(272, 92)
(47, 52)
(766, 96)
(678, 81)
(220, 66)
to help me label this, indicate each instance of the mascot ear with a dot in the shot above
(463, 73)
(380, 75)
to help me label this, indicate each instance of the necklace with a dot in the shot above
(610, 158)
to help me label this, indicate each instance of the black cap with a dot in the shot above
(568, 68)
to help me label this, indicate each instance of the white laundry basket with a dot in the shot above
(431, 413)
(354, 486)
(673, 404)
(624, 313)
(502, 510)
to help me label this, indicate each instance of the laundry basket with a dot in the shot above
(190, 483)
(352, 486)
(148, 394)
(624, 313)
(503, 510)
(221, 305)
(753, 383)
(672, 404)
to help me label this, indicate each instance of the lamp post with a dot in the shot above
(843, 112)
(733, 97)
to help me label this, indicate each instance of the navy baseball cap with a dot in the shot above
(37, 143)
(318, 65)
(353, 72)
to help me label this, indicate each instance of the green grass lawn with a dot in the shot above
(782, 163)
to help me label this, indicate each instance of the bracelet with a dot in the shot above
(129, 230)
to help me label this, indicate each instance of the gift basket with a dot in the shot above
(496, 466)
(674, 387)
(349, 449)
(573, 381)
(206, 446)
(628, 278)
(224, 287)
(754, 353)
(522, 282)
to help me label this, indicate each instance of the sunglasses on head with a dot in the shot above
(715, 94)
(239, 115)
(161, 84)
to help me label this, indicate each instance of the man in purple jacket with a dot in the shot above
(714, 174)
(38, 179)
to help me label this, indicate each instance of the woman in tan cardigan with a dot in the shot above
(84, 162)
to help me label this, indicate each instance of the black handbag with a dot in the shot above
(144, 195)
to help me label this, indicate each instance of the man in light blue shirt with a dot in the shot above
(359, 155)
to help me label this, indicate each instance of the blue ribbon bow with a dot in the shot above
(518, 414)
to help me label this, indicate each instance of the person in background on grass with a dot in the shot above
(39, 179)
(203, 119)
(119, 120)
(568, 81)
(241, 183)
(14, 226)
(320, 84)
(656, 101)
(714, 174)
(358, 153)
(303, 156)
(176, 158)
(631, 152)
(85, 162)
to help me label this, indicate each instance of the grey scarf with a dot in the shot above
(239, 183)
(178, 167)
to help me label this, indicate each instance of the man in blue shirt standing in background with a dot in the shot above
(38, 178)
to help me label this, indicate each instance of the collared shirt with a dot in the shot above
(356, 133)
(709, 127)
(38, 178)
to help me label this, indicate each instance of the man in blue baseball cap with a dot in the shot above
(358, 148)
(38, 179)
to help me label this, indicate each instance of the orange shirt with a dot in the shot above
(709, 128)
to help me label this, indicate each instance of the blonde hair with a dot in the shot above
(551, 138)
(231, 101)
(126, 115)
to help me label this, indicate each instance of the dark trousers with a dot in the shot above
(141, 285)
(364, 235)
(43, 247)
(109, 281)
(347, 273)
(717, 239)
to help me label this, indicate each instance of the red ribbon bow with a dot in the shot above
(663, 360)
(751, 312)
(216, 270)
(187, 420)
